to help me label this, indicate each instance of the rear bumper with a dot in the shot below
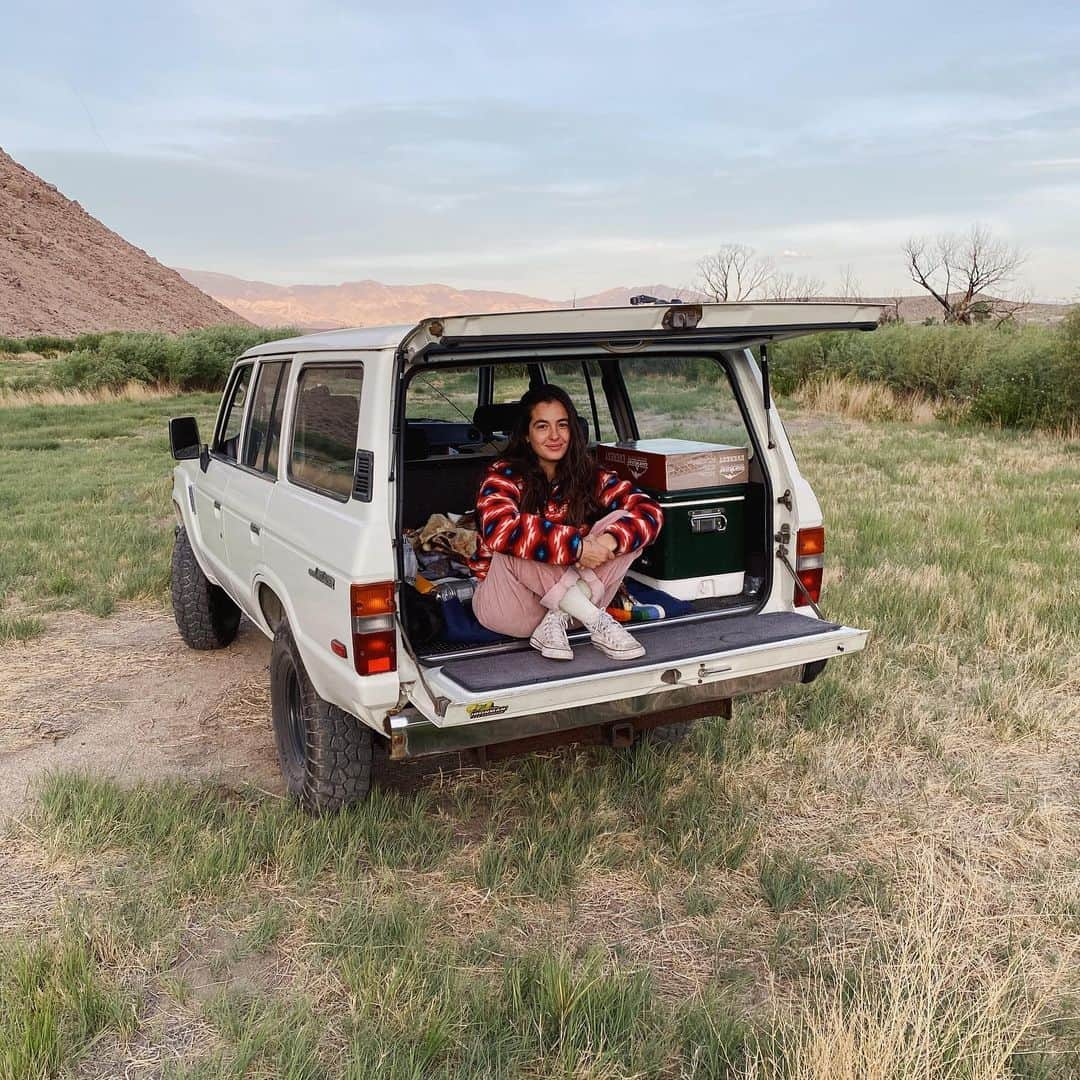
(413, 736)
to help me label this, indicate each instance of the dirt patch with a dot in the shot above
(124, 697)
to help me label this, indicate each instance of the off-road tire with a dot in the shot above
(325, 754)
(205, 614)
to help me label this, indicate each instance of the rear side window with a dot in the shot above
(582, 381)
(325, 426)
(232, 414)
(264, 418)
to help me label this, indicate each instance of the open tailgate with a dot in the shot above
(679, 655)
(730, 325)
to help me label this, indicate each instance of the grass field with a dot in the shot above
(874, 876)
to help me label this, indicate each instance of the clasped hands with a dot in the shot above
(597, 550)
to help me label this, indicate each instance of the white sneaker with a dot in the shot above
(612, 640)
(550, 637)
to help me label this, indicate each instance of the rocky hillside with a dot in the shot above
(63, 272)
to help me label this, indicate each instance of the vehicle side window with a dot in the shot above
(232, 414)
(578, 378)
(325, 425)
(264, 418)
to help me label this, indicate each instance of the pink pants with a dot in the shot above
(518, 593)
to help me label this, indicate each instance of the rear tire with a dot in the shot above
(325, 753)
(205, 615)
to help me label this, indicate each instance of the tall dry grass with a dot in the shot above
(130, 391)
(870, 401)
(923, 996)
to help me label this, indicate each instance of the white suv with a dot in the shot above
(331, 451)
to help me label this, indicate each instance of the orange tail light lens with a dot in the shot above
(374, 636)
(810, 542)
(377, 599)
(809, 564)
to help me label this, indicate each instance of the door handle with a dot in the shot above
(704, 671)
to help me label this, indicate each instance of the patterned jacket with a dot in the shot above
(503, 527)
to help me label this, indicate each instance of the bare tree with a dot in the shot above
(734, 272)
(957, 270)
(787, 286)
(850, 285)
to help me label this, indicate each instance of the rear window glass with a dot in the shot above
(683, 397)
(325, 428)
(581, 380)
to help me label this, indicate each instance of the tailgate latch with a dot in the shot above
(783, 538)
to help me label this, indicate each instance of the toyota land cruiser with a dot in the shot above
(327, 508)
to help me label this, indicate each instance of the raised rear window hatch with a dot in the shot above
(730, 325)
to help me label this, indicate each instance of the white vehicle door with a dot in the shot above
(210, 486)
(247, 496)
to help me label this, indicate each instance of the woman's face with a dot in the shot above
(549, 433)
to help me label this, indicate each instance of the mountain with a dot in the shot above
(371, 303)
(63, 272)
(354, 303)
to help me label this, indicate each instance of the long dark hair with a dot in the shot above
(575, 473)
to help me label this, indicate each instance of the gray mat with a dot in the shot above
(664, 643)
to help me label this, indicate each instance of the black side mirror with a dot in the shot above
(184, 442)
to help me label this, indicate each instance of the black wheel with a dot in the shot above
(205, 615)
(325, 753)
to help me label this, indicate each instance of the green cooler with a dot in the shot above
(701, 548)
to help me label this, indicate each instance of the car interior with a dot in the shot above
(453, 430)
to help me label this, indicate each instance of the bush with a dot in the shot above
(1025, 376)
(48, 345)
(11, 345)
(196, 360)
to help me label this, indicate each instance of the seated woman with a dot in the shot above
(557, 534)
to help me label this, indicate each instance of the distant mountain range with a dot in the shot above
(371, 303)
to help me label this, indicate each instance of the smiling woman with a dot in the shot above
(557, 534)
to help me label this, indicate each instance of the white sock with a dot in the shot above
(578, 603)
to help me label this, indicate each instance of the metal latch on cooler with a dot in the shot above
(707, 521)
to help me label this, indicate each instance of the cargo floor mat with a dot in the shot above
(663, 644)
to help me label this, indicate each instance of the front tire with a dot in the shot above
(325, 753)
(205, 615)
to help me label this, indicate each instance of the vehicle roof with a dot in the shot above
(768, 319)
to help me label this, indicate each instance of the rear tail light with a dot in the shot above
(809, 564)
(374, 636)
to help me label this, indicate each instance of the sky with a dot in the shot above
(554, 148)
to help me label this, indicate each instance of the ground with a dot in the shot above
(124, 697)
(876, 875)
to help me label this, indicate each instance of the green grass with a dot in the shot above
(55, 1001)
(591, 913)
(85, 505)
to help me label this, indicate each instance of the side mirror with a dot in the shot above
(184, 442)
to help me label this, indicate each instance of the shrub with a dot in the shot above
(48, 345)
(196, 360)
(1016, 376)
(11, 345)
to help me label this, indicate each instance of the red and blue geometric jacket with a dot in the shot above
(503, 527)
